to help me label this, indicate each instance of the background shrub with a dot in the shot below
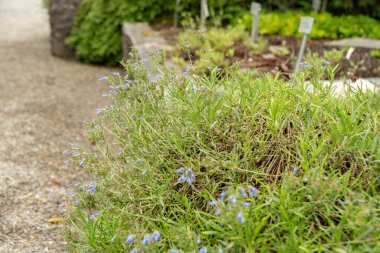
(96, 36)
(326, 26)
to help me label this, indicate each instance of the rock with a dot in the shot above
(145, 41)
(356, 42)
(339, 87)
(62, 13)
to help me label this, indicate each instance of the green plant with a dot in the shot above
(279, 50)
(334, 55)
(355, 67)
(325, 26)
(215, 47)
(375, 53)
(229, 162)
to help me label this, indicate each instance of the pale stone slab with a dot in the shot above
(146, 41)
(356, 42)
(339, 87)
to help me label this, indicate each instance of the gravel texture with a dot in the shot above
(43, 103)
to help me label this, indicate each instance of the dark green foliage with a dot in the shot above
(96, 36)
(325, 26)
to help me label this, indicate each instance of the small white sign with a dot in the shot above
(205, 8)
(306, 25)
(255, 8)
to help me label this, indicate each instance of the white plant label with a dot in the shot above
(255, 8)
(205, 11)
(306, 25)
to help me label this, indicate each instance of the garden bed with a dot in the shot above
(279, 54)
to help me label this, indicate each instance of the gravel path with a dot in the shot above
(43, 103)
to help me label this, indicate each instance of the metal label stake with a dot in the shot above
(305, 27)
(255, 10)
(176, 14)
(204, 13)
(316, 5)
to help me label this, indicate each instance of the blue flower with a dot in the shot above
(212, 203)
(156, 236)
(187, 176)
(130, 239)
(203, 250)
(134, 251)
(95, 215)
(91, 187)
(174, 251)
(181, 179)
(199, 241)
(252, 191)
(72, 193)
(246, 204)
(190, 179)
(80, 187)
(146, 240)
(91, 190)
(99, 111)
(232, 199)
(222, 196)
(326, 63)
(77, 202)
(240, 217)
(189, 171)
(295, 170)
(104, 78)
(220, 250)
(243, 193)
(304, 65)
